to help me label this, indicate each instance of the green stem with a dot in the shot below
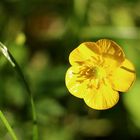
(14, 64)
(35, 127)
(7, 125)
(26, 85)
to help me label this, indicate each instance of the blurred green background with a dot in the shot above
(40, 34)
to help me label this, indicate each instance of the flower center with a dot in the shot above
(100, 73)
(88, 72)
(95, 74)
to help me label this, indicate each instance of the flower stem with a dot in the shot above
(26, 85)
(7, 125)
(14, 64)
(35, 126)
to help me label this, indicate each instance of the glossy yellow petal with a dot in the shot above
(109, 47)
(123, 77)
(75, 87)
(111, 52)
(103, 98)
(85, 51)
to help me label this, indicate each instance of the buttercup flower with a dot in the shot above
(99, 70)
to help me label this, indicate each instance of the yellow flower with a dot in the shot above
(99, 70)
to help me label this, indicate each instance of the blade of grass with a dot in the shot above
(14, 64)
(7, 125)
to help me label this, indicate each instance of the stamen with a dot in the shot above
(95, 73)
